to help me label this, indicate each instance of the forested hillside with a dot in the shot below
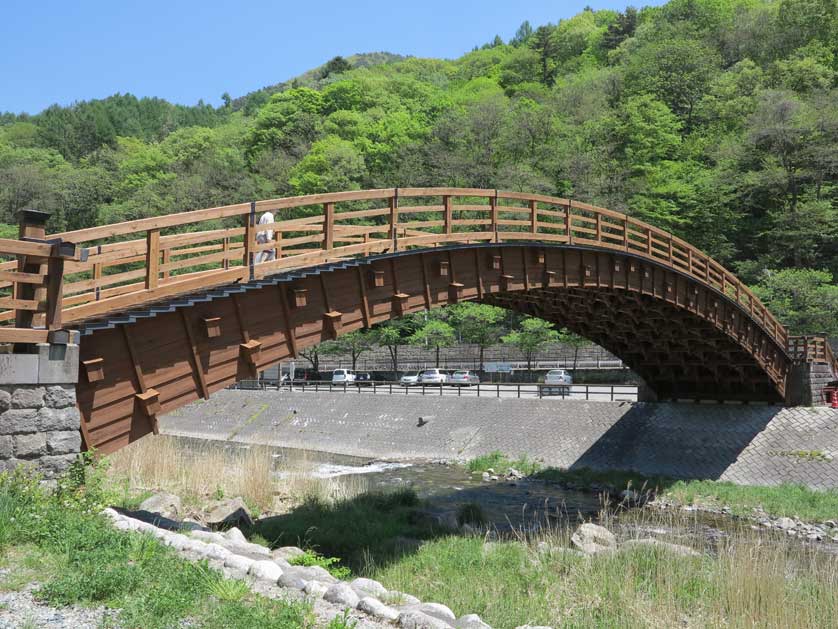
(715, 119)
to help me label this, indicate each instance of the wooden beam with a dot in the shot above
(197, 371)
(424, 263)
(152, 264)
(290, 337)
(139, 378)
(365, 304)
(478, 273)
(446, 205)
(329, 226)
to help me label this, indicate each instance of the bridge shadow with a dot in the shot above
(679, 441)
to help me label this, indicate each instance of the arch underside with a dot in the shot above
(677, 353)
(685, 339)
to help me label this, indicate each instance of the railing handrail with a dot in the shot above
(237, 251)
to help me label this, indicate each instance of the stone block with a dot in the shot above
(30, 446)
(52, 466)
(5, 400)
(63, 442)
(60, 396)
(58, 364)
(28, 397)
(58, 419)
(19, 368)
(7, 449)
(18, 420)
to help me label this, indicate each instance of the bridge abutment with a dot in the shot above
(806, 384)
(39, 419)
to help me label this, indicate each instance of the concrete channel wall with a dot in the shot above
(747, 444)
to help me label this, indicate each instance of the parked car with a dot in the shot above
(464, 378)
(433, 376)
(558, 381)
(363, 379)
(343, 376)
(409, 379)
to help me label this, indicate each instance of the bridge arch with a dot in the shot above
(210, 306)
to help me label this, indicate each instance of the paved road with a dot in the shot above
(599, 393)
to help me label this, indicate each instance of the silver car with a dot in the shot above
(463, 378)
(558, 381)
(409, 379)
(433, 376)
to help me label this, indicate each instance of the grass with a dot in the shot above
(371, 525)
(60, 541)
(749, 583)
(501, 464)
(332, 564)
(199, 471)
(744, 500)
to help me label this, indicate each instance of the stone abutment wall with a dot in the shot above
(39, 420)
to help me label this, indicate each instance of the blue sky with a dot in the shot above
(185, 50)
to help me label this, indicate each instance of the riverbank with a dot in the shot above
(747, 445)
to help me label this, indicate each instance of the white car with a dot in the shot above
(464, 378)
(433, 376)
(558, 379)
(343, 376)
(409, 379)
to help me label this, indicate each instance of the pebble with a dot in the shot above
(20, 609)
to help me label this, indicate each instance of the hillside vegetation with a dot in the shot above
(715, 119)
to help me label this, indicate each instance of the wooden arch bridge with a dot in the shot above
(172, 308)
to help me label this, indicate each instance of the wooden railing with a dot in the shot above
(812, 349)
(155, 258)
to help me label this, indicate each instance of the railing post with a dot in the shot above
(328, 226)
(446, 205)
(249, 239)
(533, 217)
(152, 259)
(55, 291)
(568, 225)
(32, 224)
(394, 219)
(493, 204)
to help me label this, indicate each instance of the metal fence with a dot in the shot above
(537, 390)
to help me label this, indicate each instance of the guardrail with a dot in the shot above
(31, 284)
(150, 259)
(605, 392)
(814, 349)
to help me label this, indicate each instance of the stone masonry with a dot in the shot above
(747, 444)
(39, 421)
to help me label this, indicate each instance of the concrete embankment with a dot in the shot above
(760, 445)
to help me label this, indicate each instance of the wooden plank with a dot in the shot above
(13, 247)
(478, 274)
(54, 293)
(22, 335)
(197, 370)
(446, 202)
(328, 226)
(23, 278)
(152, 264)
(30, 305)
(365, 304)
(138, 373)
(425, 281)
(290, 336)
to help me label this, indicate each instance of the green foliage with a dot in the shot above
(714, 119)
(805, 300)
(332, 564)
(532, 335)
(434, 333)
(501, 464)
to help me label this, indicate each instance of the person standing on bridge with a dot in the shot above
(265, 236)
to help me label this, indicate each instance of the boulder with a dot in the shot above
(166, 504)
(342, 594)
(315, 589)
(226, 513)
(786, 524)
(417, 620)
(287, 553)
(437, 610)
(377, 609)
(394, 597)
(592, 539)
(677, 549)
(237, 562)
(368, 587)
(265, 571)
(235, 536)
(470, 621)
(294, 577)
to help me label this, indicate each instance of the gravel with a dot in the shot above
(20, 609)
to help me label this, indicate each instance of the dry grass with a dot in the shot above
(199, 470)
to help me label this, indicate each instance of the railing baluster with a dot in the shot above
(152, 259)
(328, 226)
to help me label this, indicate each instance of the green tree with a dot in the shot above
(805, 300)
(331, 165)
(531, 337)
(353, 343)
(480, 324)
(434, 333)
(336, 65)
(393, 334)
